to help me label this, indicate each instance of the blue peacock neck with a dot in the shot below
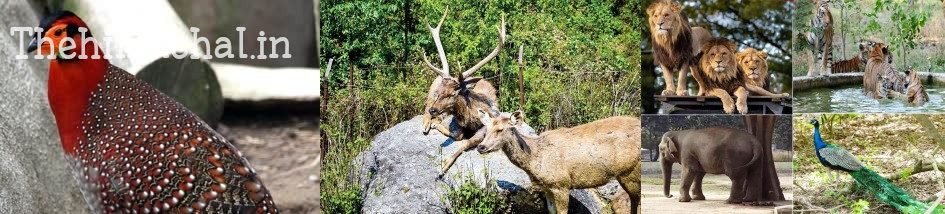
(818, 142)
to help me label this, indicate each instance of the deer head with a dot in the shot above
(446, 89)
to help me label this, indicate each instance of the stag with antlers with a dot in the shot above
(459, 96)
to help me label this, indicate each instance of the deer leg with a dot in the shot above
(633, 189)
(668, 79)
(741, 102)
(470, 143)
(562, 197)
(682, 82)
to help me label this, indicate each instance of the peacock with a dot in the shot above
(839, 159)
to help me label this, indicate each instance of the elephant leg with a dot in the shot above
(470, 143)
(687, 178)
(697, 190)
(738, 184)
(668, 79)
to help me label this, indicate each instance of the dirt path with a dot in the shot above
(283, 149)
(715, 188)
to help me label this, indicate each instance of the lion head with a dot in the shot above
(667, 21)
(717, 61)
(754, 64)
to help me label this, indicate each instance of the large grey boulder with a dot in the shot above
(33, 168)
(398, 174)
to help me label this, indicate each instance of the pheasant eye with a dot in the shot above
(59, 32)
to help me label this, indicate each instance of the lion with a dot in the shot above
(754, 66)
(675, 44)
(719, 72)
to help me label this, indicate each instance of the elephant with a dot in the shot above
(715, 150)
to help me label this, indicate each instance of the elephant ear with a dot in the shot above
(670, 148)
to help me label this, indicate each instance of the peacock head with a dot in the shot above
(814, 122)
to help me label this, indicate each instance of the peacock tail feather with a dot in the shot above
(889, 193)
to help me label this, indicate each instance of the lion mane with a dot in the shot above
(675, 48)
(729, 79)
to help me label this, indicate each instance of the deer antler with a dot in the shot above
(495, 52)
(445, 71)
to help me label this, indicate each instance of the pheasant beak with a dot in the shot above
(33, 46)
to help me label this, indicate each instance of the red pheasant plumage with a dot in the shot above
(135, 149)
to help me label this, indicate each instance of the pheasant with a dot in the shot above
(134, 149)
(839, 159)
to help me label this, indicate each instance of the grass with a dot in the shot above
(470, 198)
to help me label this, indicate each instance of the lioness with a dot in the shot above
(754, 66)
(674, 44)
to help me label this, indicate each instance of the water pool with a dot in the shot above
(850, 99)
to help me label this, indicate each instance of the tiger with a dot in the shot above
(822, 40)
(858, 62)
(907, 87)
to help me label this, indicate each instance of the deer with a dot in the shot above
(556, 161)
(458, 96)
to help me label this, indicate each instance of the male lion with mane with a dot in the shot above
(754, 65)
(674, 44)
(719, 72)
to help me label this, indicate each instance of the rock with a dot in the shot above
(398, 174)
(33, 168)
(253, 83)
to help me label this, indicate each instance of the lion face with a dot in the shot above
(754, 64)
(718, 60)
(665, 19)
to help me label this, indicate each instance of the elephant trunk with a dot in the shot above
(667, 175)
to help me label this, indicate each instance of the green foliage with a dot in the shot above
(346, 200)
(470, 198)
(581, 63)
(908, 21)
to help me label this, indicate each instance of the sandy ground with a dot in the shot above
(283, 149)
(715, 188)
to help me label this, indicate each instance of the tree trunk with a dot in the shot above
(762, 184)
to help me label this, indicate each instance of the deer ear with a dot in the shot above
(518, 117)
(484, 117)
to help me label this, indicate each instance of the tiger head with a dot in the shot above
(823, 9)
(879, 53)
(866, 46)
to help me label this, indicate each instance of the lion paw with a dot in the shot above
(682, 93)
(742, 108)
(668, 92)
(728, 109)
